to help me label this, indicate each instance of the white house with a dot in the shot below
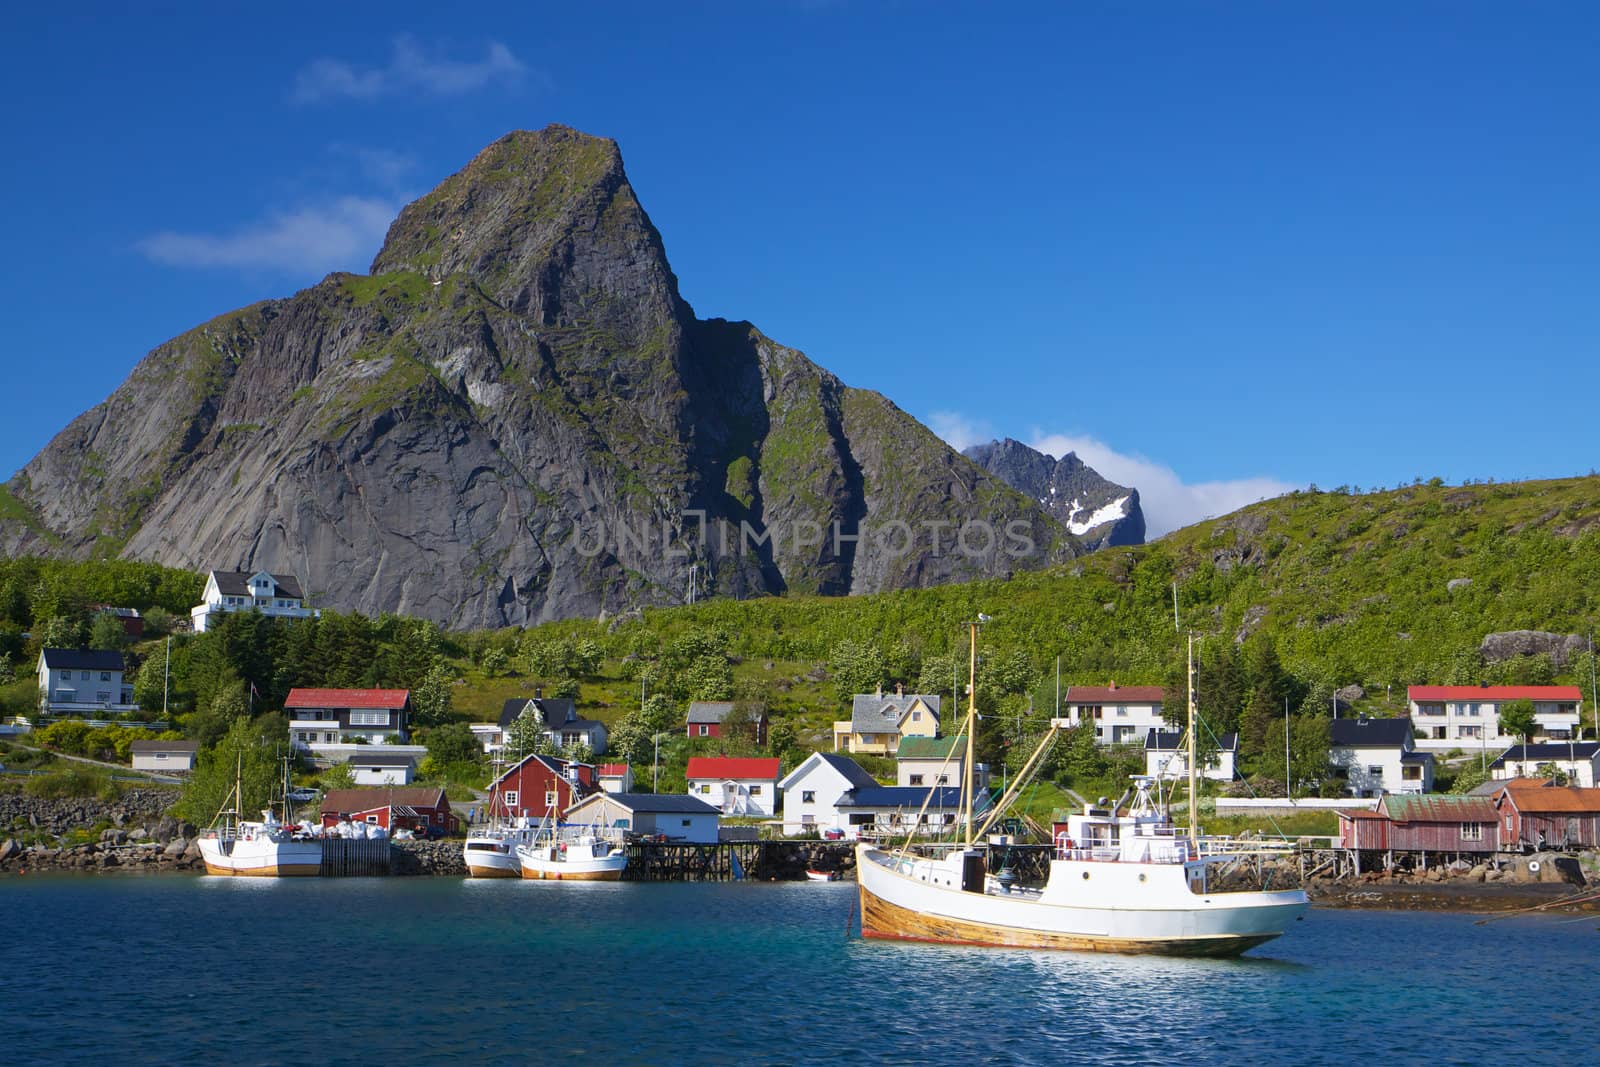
(83, 681)
(878, 722)
(1378, 756)
(893, 811)
(172, 756)
(734, 786)
(1467, 717)
(319, 717)
(381, 768)
(558, 719)
(1121, 714)
(614, 777)
(812, 790)
(1578, 760)
(672, 816)
(1166, 756)
(278, 595)
(936, 761)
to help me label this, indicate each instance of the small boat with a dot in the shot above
(821, 876)
(1118, 882)
(571, 853)
(266, 849)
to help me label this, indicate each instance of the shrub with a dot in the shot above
(71, 782)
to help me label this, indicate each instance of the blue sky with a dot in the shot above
(1219, 249)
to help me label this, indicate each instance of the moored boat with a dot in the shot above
(821, 876)
(491, 852)
(267, 849)
(1128, 882)
(576, 854)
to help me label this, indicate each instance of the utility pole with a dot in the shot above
(167, 674)
(1288, 767)
(1594, 696)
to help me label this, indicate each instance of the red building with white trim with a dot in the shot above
(417, 808)
(536, 784)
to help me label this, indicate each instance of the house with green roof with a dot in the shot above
(936, 761)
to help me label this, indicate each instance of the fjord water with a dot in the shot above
(161, 969)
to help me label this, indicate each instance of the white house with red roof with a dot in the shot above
(340, 716)
(1121, 714)
(1467, 717)
(735, 786)
(614, 777)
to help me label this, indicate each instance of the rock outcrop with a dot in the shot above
(1512, 644)
(516, 417)
(1097, 511)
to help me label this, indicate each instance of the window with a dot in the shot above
(686, 822)
(161, 755)
(103, 696)
(808, 796)
(916, 716)
(755, 790)
(1374, 770)
(705, 787)
(1472, 831)
(372, 819)
(705, 731)
(1122, 713)
(916, 779)
(510, 798)
(807, 819)
(550, 798)
(105, 676)
(369, 718)
(1469, 731)
(1430, 709)
(944, 779)
(1411, 772)
(328, 738)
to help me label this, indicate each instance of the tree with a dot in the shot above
(526, 733)
(453, 743)
(247, 748)
(210, 725)
(708, 678)
(1516, 719)
(1549, 770)
(106, 632)
(857, 667)
(1309, 739)
(782, 738)
(495, 662)
(339, 776)
(149, 684)
(631, 739)
(432, 697)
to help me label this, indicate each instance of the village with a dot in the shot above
(1538, 792)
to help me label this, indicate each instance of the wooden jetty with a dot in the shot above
(727, 861)
(345, 857)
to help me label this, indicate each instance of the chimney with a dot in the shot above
(880, 690)
(538, 692)
(899, 689)
(1113, 684)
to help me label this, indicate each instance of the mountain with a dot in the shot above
(1099, 512)
(515, 417)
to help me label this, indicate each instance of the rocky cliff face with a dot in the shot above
(515, 417)
(1088, 507)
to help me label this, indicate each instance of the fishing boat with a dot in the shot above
(1121, 879)
(491, 851)
(271, 848)
(821, 876)
(571, 853)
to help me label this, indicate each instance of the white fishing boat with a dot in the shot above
(572, 853)
(267, 849)
(490, 851)
(1127, 882)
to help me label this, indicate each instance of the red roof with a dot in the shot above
(1115, 694)
(721, 768)
(1495, 692)
(612, 770)
(1538, 795)
(347, 698)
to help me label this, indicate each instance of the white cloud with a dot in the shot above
(343, 234)
(958, 431)
(409, 69)
(1167, 500)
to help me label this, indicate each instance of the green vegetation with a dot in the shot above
(398, 287)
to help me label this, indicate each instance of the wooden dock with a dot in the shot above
(728, 861)
(342, 857)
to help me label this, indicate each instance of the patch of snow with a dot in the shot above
(1109, 513)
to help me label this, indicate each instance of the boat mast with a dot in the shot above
(1194, 796)
(972, 720)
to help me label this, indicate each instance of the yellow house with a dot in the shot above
(877, 722)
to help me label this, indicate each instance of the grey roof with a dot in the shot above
(82, 659)
(380, 759)
(853, 772)
(166, 746)
(237, 583)
(557, 711)
(910, 797)
(1416, 757)
(1548, 751)
(877, 713)
(1371, 733)
(661, 803)
(709, 711)
(1169, 740)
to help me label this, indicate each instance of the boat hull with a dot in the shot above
(560, 873)
(296, 859)
(1106, 907)
(477, 868)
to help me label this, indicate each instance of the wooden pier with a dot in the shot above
(347, 857)
(727, 861)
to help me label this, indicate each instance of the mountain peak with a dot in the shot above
(1089, 506)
